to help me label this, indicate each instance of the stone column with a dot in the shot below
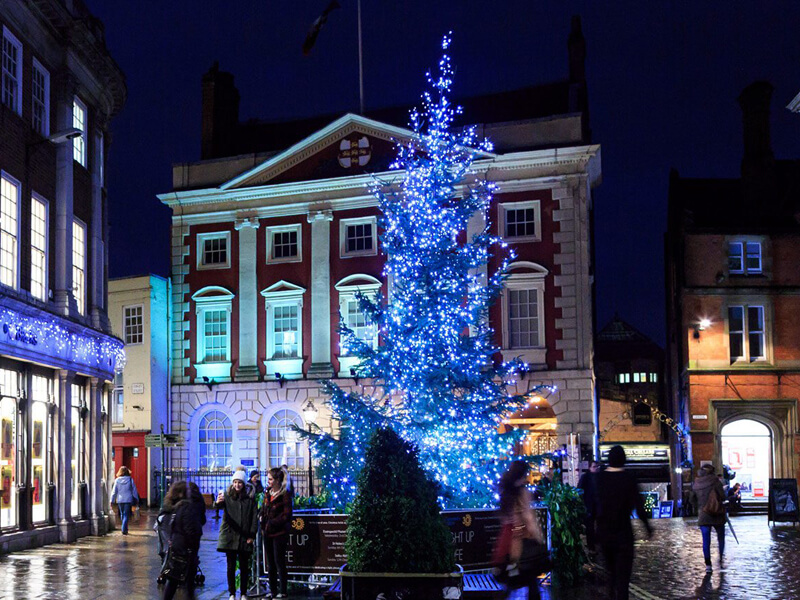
(95, 475)
(247, 367)
(63, 453)
(320, 294)
(64, 300)
(95, 236)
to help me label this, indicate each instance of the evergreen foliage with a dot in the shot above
(395, 525)
(437, 380)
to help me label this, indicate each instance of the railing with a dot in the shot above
(211, 482)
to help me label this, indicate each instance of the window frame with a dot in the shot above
(232, 444)
(45, 251)
(211, 235)
(45, 130)
(347, 289)
(345, 223)
(125, 308)
(764, 332)
(283, 294)
(212, 298)
(80, 305)
(299, 458)
(79, 143)
(503, 209)
(743, 254)
(272, 230)
(528, 283)
(12, 39)
(13, 182)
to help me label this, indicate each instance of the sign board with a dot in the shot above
(316, 541)
(639, 452)
(168, 440)
(137, 388)
(665, 509)
(783, 504)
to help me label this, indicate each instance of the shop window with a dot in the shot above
(77, 466)
(41, 392)
(281, 448)
(9, 388)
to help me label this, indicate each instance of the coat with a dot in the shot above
(616, 496)
(186, 526)
(276, 514)
(124, 491)
(239, 522)
(702, 486)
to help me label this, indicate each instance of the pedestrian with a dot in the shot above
(588, 483)
(276, 518)
(617, 495)
(288, 479)
(255, 481)
(521, 550)
(735, 497)
(185, 502)
(710, 502)
(125, 495)
(237, 532)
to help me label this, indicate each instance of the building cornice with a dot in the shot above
(512, 172)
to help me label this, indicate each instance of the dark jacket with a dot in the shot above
(703, 484)
(239, 522)
(616, 496)
(588, 483)
(276, 514)
(187, 524)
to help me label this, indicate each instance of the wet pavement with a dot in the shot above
(766, 565)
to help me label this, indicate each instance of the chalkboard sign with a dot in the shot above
(783, 505)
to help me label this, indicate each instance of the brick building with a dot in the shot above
(60, 88)
(274, 231)
(733, 286)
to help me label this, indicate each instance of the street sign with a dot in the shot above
(168, 440)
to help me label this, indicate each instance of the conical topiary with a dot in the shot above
(395, 525)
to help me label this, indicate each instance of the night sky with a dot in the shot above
(663, 80)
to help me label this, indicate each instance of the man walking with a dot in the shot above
(616, 496)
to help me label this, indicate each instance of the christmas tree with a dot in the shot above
(435, 382)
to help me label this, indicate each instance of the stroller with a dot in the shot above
(163, 528)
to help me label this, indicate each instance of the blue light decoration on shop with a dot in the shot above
(434, 379)
(70, 345)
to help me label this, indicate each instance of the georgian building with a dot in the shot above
(60, 88)
(274, 231)
(733, 286)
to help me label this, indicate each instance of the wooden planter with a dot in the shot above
(406, 586)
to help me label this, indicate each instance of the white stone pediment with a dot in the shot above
(347, 125)
(282, 289)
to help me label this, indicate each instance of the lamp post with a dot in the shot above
(310, 414)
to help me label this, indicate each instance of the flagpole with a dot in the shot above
(360, 63)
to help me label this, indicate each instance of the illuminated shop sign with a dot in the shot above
(639, 452)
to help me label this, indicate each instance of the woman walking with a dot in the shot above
(519, 528)
(188, 510)
(710, 498)
(237, 532)
(124, 494)
(276, 518)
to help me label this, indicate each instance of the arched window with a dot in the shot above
(215, 440)
(279, 424)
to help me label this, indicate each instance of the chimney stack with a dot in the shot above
(576, 46)
(220, 114)
(758, 162)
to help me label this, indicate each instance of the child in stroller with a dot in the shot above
(163, 529)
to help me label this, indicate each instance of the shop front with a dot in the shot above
(53, 428)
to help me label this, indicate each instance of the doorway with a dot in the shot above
(747, 450)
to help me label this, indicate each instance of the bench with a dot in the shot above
(476, 585)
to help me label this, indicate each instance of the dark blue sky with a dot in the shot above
(663, 81)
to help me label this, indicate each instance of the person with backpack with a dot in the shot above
(710, 503)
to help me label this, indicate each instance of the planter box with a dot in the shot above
(405, 586)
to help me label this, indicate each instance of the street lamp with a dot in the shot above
(310, 414)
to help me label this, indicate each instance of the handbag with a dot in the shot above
(176, 567)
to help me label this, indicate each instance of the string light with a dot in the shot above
(436, 378)
(88, 349)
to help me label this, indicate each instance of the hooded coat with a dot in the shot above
(239, 521)
(188, 518)
(124, 491)
(704, 483)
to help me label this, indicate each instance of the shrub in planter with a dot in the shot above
(567, 512)
(395, 528)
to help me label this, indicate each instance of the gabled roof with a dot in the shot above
(306, 147)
